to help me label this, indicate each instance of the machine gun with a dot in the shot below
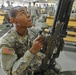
(54, 40)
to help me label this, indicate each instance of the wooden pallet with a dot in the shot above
(70, 39)
(1, 19)
(71, 33)
(72, 22)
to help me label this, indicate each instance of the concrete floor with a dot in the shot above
(67, 61)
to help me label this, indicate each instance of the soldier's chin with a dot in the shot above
(30, 25)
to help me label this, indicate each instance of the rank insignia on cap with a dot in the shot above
(7, 50)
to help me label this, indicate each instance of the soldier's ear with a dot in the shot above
(12, 20)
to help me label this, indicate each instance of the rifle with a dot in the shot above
(53, 42)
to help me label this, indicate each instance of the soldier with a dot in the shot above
(29, 8)
(20, 46)
(47, 9)
(9, 6)
(34, 13)
(38, 10)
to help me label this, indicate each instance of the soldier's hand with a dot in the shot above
(37, 44)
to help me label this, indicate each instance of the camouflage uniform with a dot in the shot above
(29, 9)
(34, 14)
(15, 55)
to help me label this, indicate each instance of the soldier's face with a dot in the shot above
(23, 18)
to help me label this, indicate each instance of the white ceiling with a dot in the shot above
(49, 1)
(42, 1)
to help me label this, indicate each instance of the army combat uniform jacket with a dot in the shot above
(15, 55)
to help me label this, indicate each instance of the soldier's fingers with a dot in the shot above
(39, 37)
(41, 40)
(41, 45)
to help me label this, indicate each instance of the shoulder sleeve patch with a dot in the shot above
(7, 50)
